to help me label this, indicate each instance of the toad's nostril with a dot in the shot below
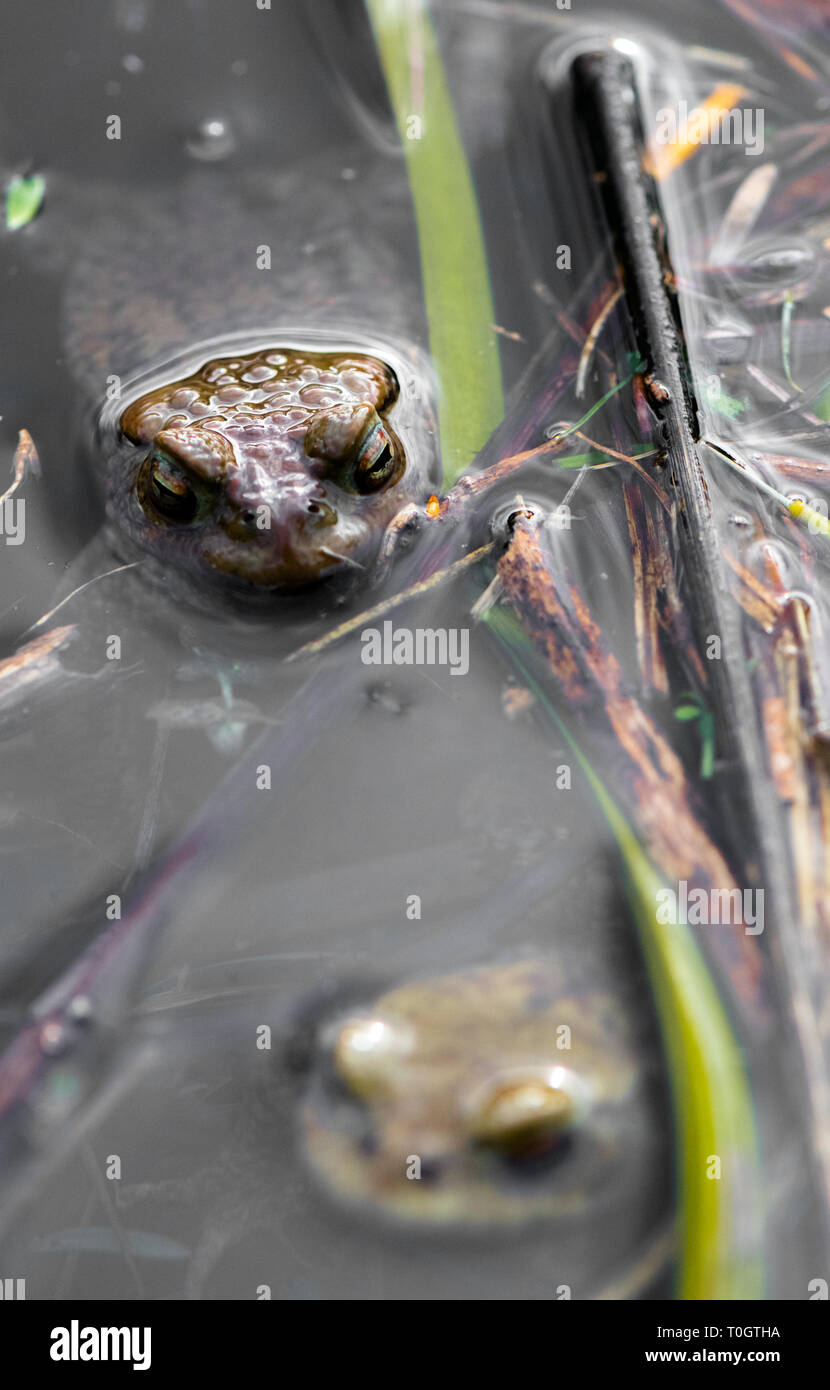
(295, 513)
(321, 513)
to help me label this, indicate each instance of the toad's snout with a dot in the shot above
(290, 506)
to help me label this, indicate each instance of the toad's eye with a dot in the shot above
(375, 460)
(170, 492)
(354, 447)
(528, 1113)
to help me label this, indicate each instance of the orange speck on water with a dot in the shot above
(433, 506)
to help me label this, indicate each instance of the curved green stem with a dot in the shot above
(719, 1188)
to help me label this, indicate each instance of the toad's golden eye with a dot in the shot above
(521, 1114)
(376, 460)
(526, 1111)
(170, 492)
(355, 448)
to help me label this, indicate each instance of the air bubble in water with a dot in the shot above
(212, 140)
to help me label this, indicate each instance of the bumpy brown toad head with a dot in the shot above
(272, 469)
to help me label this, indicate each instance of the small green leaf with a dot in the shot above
(706, 729)
(728, 406)
(707, 745)
(23, 199)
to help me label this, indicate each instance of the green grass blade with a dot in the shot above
(454, 266)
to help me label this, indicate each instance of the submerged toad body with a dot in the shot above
(271, 469)
(484, 1098)
(298, 414)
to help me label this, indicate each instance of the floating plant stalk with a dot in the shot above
(454, 268)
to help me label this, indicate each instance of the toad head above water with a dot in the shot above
(271, 470)
(480, 1099)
